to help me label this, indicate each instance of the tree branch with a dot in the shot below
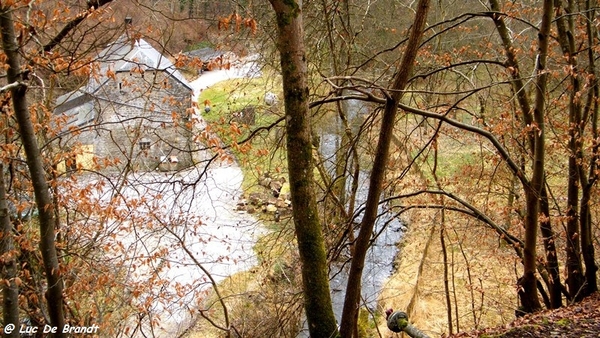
(91, 5)
(11, 86)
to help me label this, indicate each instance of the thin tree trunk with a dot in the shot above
(311, 246)
(8, 265)
(340, 61)
(43, 199)
(443, 238)
(528, 283)
(587, 244)
(575, 279)
(549, 240)
(345, 56)
(518, 84)
(446, 279)
(352, 298)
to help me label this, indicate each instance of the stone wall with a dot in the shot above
(144, 119)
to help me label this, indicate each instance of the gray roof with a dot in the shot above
(126, 54)
(120, 56)
(78, 107)
(205, 54)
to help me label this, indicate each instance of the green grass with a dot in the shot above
(231, 96)
(198, 45)
(265, 152)
(452, 158)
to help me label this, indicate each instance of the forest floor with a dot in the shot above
(581, 320)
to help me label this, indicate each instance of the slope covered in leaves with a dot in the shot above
(578, 320)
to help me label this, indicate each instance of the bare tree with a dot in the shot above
(8, 264)
(311, 245)
(44, 201)
(378, 172)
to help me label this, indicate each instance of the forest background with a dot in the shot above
(478, 126)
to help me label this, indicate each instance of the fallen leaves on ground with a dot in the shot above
(580, 320)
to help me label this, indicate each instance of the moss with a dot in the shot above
(199, 45)
(363, 323)
(231, 96)
(367, 323)
(285, 17)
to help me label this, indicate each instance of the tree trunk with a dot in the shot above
(54, 294)
(311, 246)
(587, 244)
(549, 240)
(564, 25)
(340, 38)
(351, 301)
(8, 265)
(517, 83)
(528, 291)
(446, 278)
(442, 202)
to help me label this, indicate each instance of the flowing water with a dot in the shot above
(382, 253)
(182, 232)
(208, 236)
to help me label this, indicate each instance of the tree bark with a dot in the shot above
(517, 82)
(527, 283)
(534, 188)
(587, 244)
(549, 240)
(351, 301)
(8, 265)
(311, 245)
(575, 278)
(43, 199)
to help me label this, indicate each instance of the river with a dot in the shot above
(382, 253)
(182, 230)
(193, 229)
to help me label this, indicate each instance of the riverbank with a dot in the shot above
(481, 275)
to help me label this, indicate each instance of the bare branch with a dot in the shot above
(11, 86)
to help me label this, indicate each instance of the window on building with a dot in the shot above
(144, 144)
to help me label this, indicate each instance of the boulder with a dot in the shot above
(280, 203)
(255, 199)
(270, 98)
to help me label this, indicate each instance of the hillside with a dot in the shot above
(577, 320)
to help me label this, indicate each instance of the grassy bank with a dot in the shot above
(481, 271)
(249, 128)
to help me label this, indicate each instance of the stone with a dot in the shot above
(255, 199)
(276, 185)
(270, 98)
(280, 203)
(265, 181)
